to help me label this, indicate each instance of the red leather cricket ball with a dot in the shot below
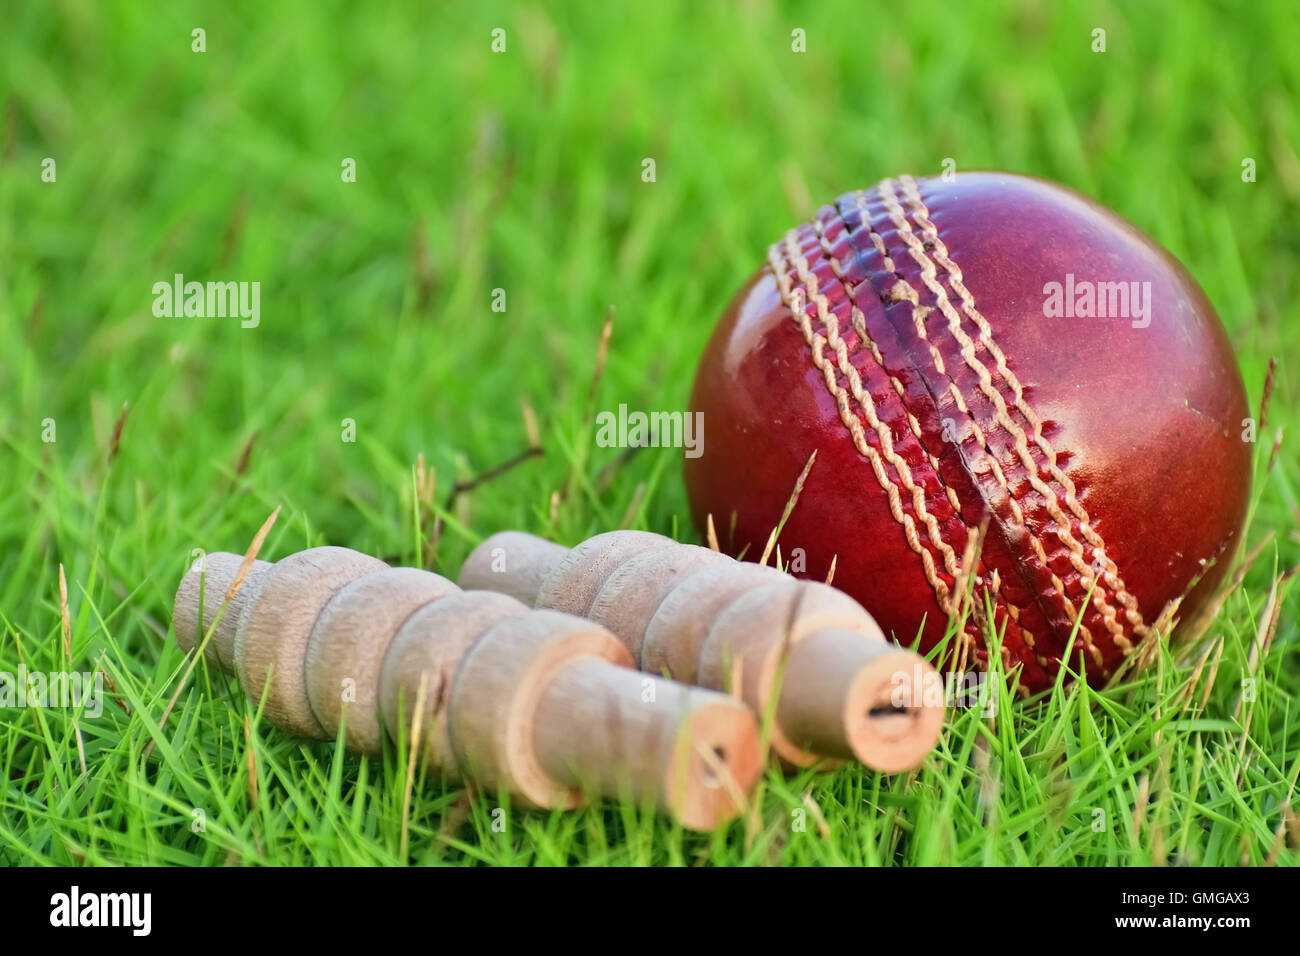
(990, 346)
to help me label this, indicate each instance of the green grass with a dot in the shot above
(522, 171)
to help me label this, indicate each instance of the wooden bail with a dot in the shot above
(537, 703)
(428, 648)
(511, 562)
(751, 635)
(633, 590)
(271, 642)
(209, 578)
(688, 752)
(704, 619)
(346, 648)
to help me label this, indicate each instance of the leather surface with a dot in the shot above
(1105, 456)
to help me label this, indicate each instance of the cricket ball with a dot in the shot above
(980, 348)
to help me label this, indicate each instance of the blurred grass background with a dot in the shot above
(522, 171)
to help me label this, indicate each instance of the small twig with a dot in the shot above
(605, 477)
(64, 616)
(422, 269)
(1269, 381)
(81, 747)
(469, 484)
(711, 533)
(789, 507)
(115, 443)
(252, 764)
(113, 693)
(589, 409)
(426, 487)
(241, 465)
(531, 431)
(416, 726)
(251, 555)
(602, 356)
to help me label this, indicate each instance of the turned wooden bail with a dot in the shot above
(541, 704)
(428, 648)
(346, 648)
(271, 642)
(213, 574)
(572, 583)
(546, 706)
(512, 563)
(706, 619)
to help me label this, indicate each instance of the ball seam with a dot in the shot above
(1109, 579)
